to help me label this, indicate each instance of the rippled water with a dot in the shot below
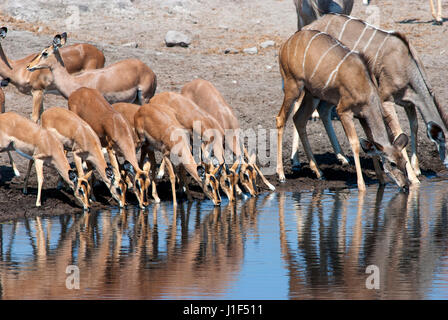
(278, 246)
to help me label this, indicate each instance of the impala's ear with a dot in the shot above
(238, 169)
(88, 175)
(63, 38)
(3, 32)
(110, 173)
(129, 168)
(227, 169)
(73, 176)
(201, 171)
(57, 41)
(435, 132)
(401, 141)
(218, 171)
(371, 148)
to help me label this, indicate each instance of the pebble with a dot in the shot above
(231, 51)
(268, 43)
(252, 50)
(176, 38)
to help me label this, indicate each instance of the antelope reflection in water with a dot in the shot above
(328, 253)
(129, 254)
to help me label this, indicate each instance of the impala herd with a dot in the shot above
(114, 113)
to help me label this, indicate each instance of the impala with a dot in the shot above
(40, 145)
(124, 81)
(77, 136)
(115, 135)
(77, 57)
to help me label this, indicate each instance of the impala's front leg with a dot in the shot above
(350, 131)
(13, 165)
(28, 172)
(172, 175)
(38, 104)
(152, 160)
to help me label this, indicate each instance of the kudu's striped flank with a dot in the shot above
(341, 78)
(401, 79)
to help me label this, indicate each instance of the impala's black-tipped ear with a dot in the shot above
(401, 141)
(238, 169)
(73, 176)
(3, 32)
(129, 168)
(110, 173)
(227, 169)
(219, 171)
(57, 41)
(201, 171)
(435, 132)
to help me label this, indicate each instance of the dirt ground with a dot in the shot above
(250, 83)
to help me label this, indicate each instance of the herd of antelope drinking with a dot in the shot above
(333, 60)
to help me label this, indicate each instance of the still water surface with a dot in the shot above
(278, 246)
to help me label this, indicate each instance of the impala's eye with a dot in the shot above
(119, 191)
(45, 54)
(227, 182)
(393, 164)
(210, 188)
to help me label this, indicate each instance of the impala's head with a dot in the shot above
(49, 55)
(81, 188)
(227, 182)
(3, 32)
(141, 182)
(394, 163)
(248, 179)
(117, 186)
(210, 181)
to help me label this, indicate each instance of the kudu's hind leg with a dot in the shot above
(292, 93)
(300, 119)
(324, 109)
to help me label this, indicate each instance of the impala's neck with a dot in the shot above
(5, 71)
(64, 82)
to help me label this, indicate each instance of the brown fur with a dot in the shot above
(113, 131)
(77, 57)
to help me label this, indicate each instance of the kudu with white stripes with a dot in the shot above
(341, 78)
(401, 79)
(310, 10)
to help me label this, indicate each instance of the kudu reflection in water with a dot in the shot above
(124, 255)
(328, 257)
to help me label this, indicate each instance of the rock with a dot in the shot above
(252, 50)
(131, 45)
(176, 38)
(268, 43)
(231, 51)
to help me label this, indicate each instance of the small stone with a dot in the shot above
(268, 43)
(231, 51)
(176, 38)
(252, 50)
(131, 45)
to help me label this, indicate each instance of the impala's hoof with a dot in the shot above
(282, 179)
(25, 191)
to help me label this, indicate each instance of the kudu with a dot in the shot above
(343, 80)
(40, 145)
(208, 98)
(124, 81)
(401, 79)
(79, 138)
(77, 57)
(157, 128)
(310, 10)
(115, 135)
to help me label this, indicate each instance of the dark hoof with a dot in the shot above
(282, 180)
(322, 178)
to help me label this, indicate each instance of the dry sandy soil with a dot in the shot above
(250, 83)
